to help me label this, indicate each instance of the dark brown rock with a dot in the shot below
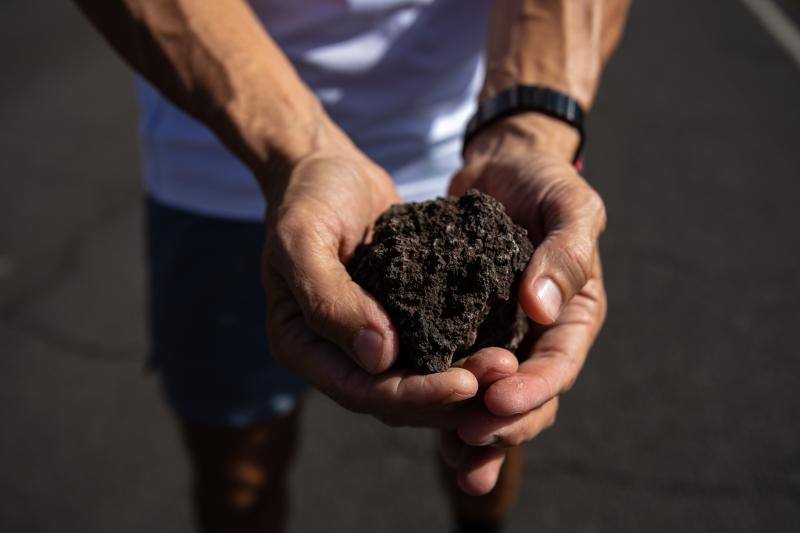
(447, 272)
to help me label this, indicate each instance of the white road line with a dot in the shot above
(778, 24)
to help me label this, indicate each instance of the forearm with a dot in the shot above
(561, 44)
(216, 62)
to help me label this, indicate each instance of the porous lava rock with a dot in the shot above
(447, 272)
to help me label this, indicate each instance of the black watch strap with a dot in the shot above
(524, 99)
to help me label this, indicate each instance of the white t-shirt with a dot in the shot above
(400, 77)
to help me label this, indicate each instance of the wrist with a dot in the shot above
(327, 158)
(271, 131)
(281, 148)
(278, 134)
(523, 134)
(307, 130)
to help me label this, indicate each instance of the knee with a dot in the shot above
(239, 468)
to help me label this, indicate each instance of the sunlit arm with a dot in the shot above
(216, 62)
(561, 44)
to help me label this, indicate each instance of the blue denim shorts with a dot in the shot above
(207, 320)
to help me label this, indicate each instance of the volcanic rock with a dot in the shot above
(447, 272)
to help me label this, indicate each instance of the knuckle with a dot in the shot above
(597, 207)
(282, 238)
(321, 307)
(570, 374)
(545, 383)
(580, 252)
(570, 367)
(287, 228)
(576, 261)
(563, 372)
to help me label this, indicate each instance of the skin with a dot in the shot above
(525, 162)
(215, 61)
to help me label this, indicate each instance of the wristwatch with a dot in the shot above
(524, 99)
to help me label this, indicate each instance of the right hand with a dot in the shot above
(323, 326)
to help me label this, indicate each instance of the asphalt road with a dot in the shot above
(684, 419)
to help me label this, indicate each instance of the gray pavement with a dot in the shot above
(684, 419)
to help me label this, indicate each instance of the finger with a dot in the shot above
(306, 253)
(556, 359)
(328, 369)
(486, 429)
(562, 264)
(406, 396)
(489, 365)
(464, 180)
(450, 448)
(406, 392)
(401, 393)
(479, 469)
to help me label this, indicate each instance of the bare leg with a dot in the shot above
(483, 513)
(240, 475)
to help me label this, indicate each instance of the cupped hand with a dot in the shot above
(322, 325)
(561, 289)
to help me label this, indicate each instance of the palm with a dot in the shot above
(397, 397)
(548, 198)
(314, 225)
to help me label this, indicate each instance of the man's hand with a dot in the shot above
(524, 162)
(322, 325)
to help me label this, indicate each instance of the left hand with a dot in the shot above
(525, 162)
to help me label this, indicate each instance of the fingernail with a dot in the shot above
(549, 296)
(368, 346)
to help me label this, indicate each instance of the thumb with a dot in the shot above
(563, 263)
(333, 305)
